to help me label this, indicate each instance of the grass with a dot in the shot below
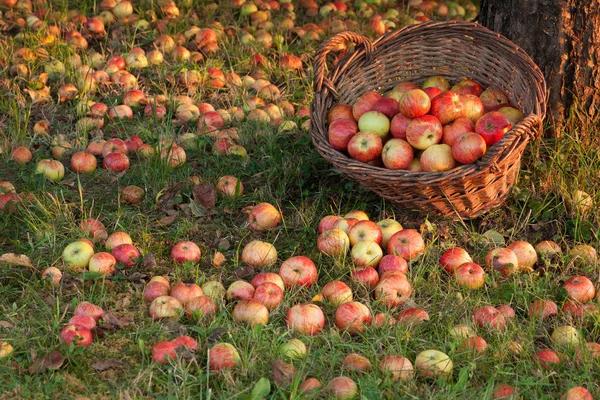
(283, 169)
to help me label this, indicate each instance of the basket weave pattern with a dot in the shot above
(454, 50)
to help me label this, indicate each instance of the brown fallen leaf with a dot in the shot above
(168, 220)
(137, 277)
(216, 334)
(164, 199)
(205, 195)
(111, 319)
(219, 259)
(6, 325)
(107, 364)
(149, 261)
(69, 281)
(16, 259)
(243, 272)
(283, 374)
(184, 353)
(51, 362)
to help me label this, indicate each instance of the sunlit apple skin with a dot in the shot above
(366, 276)
(548, 359)
(165, 307)
(398, 126)
(240, 290)
(365, 231)
(338, 112)
(438, 82)
(328, 222)
(126, 254)
(269, 277)
(512, 114)
(310, 385)
(423, 132)
(185, 251)
(116, 162)
(117, 238)
(200, 307)
(455, 129)
(374, 121)
(264, 216)
(155, 289)
(259, 254)
(434, 363)
(492, 127)
(393, 289)
(446, 107)
(337, 292)
(334, 242)
(84, 322)
(472, 107)
(52, 170)
(356, 363)
(251, 312)
(469, 148)
(412, 316)
(77, 255)
(433, 92)
(87, 309)
(298, 271)
(397, 368)
(414, 103)
(352, 317)
(543, 309)
(21, 155)
(365, 146)
(102, 263)
(74, 334)
(474, 343)
(526, 255)
(388, 227)
(83, 163)
(365, 103)
(114, 145)
(223, 356)
(366, 254)
(437, 158)
(340, 132)
(408, 243)
(185, 292)
(391, 262)
(397, 154)
(454, 258)
(577, 393)
(488, 316)
(467, 86)
(470, 275)
(306, 318)
(492, 98)
(358, 215)
(269, 294)
(503, 260)
(53, 275)
(342, 388)
(387, 106)
(580, 289)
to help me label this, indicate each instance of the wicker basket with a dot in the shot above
(454, 50)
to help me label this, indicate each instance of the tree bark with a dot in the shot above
(563, 38)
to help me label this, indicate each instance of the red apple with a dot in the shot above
(342, 388)
(334, 242)
(102, 263)
(393, 289)
(456, 129)
(414, 103)
(116, 162)
(80, 336)
(412, 316)
(271, 277)
(185, 292)
(162, 351)
(185, 251)
(365, 146)
(165, 307)
(387, 106)
(503, 260)
(251, 312)
(264, 216)
(117, 238)
(397, 154)
(391, 262)
(298, 271)
(526, 255)
(543, 309)
(403, 87)
(200, 307)
(446, 107)
(408, 243)
(470, 275)
(21, 155)
(240, 290)
(353, 317)
(259, 254)
(133, 143)
(126, 254)
(365, 103)
(83, 163)
(114, 145)
(492, 98)
(374, 121)
(397, 368)
(398, 126)
(474, 343)
(469, 148)
(223, 356)
(423, 132)
(87, 309)
(357, 215)
(337, 292)
(488, 316)
(437, 158)
(577, 393)
(507, 310)
(433, 92)
(454, 258)
(340, 111)
(95, 147)
(155, 289)
(81, 321)
(580, 289)
(310, 384)
(381, 319)
(365, 231)
(492, 127)
(504, 391)
(366, 276)
(548, 359)
(467, 86)
(328, 222)
(306, 318)
(356, 363)
(132, 194)
(269, 294)
(230, 186)
(472, 107)
(340, 133)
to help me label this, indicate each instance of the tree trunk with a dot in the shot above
(563, 38)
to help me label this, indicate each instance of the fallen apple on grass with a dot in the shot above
(356, 363)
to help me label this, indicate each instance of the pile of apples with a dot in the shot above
(80, 326)
(432, 128)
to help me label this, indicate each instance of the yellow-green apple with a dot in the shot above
(389, 227)
(583, 254)
(21, 155)
(79, 336)
(423, 132)
(126, 254)
(437, 158)
(580, 289)
(577, 393)
(77, 255)
(52, 170)
(397, 154)
(437, 82)
(358, 215)
(342, 388)
(294, 349)
(165, 307)
(374, 121)
(83, 163)
(472, 107)
(200, 307)
(414, 103)
(543, 309)
(117, 238)
(334, 242)
(340, 132)
(230, 186)
(488, 316)
(403, 87)
(434, 363)
(461, 331)
(272, 277)
(470, 275)
(365, 146)
(95, 147)
(387, 106)
(397, 368)
(366, 276)
(328, 222)
(184, 292)
(240, 290)
(408, 243)
(467, 86)
(474, 343)
(132, 194)
(446, 107)
(491, 99)
(116, 162)
(492, 127)
(507, 310)
(114, 145)
(454, 258)
(87, 309)
(251, 312)
(382, 319)
(548, 359)
(391, 262)
(365, 231)
(366, 253)
(526, 255)
(102, 263)
(393, 289)
(456, 129)
(259, 254)
(155, 289)
(53, 275)
(339, 111)
(337, 292)
(412, 316)
(469, 148)
(185, 251)
(263, 216)
(306, 318)
(512, 114)
(214, 289)
(82, 321)
(503, 260)
(398, 126)
(223, 356)
(270, 294)
(298, 271)
(365, 103)
(356, 363)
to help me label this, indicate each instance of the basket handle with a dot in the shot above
(320, 61)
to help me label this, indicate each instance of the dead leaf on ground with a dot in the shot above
(169, 194)
(16, 259)
(68, 182)
(107, 364)
(184, 353)
(223, 244)
(168, 220)
(112, 319)
(283, 374)
(176, 328)
(243, 272)
(149, 261)
(68, 281)
(216, 334)
(219, 259)
(247, 209)
(137, 277)
(205, 195)
(6, 325)
(52, 361)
